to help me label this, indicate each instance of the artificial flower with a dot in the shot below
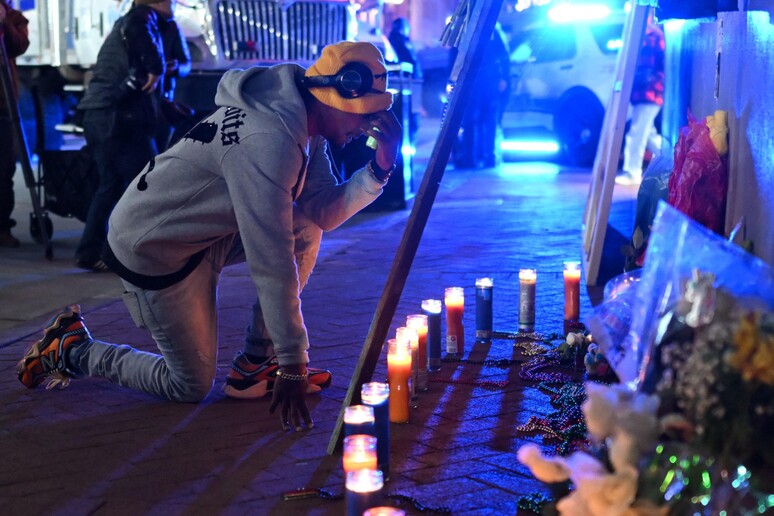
(753, 355)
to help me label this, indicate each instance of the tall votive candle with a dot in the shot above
(432, 309)
(418, 322)
(410, 334)
(377, 396)
(364, 491)
(527, 281)
(454, 298)
(398, 376)
(359, 452)
(359, 419)
(572, 276)
(484, 287)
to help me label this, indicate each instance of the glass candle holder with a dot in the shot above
(384, 511)
(572, 276)
(377, 396)
(484, 287)
(432, 309)
(527, 281)
(364, 491)
(454, 298)
(410, 334)
(398, 376)
(359, 452)
(359, 419)
(418, 322)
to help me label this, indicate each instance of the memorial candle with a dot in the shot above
(359, 452)
(384, 511)
(419, 323)
(377, 396)
(364, 490)
(454, 297)
(398, 375)
(410, 334)
(484, 309)
(432, 309)
(572, 276)
(359, 419)
(527, 281)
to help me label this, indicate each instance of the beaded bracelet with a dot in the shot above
(293, 377)
(373, 167)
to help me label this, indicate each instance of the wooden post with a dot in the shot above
(609, 150)
(475, 39)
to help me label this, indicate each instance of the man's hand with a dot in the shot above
(172, 67)
(151, 84)
(290, 388)
(384, 127)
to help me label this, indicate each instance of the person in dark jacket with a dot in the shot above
(476, 146)
(13, 31)
(121, 111)
(178, 64)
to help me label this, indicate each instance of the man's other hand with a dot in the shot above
(290, 388)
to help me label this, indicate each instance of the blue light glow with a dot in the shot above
(568, 13)
(530, 146)
(535, 169)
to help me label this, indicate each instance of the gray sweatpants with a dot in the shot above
(183, 321)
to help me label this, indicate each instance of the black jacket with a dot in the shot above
(132, 47)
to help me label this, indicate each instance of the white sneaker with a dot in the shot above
(628, 179)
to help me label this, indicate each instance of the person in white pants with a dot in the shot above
(646, 101)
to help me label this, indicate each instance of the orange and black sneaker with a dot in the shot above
(247, 380)
(49, 356)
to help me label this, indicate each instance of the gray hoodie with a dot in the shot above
(239, 171)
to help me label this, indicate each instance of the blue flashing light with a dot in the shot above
(569, 13)
(530, 146)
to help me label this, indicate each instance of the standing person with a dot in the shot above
(482, 115)
(400, 40)
(120, 115)
(14, 34)
(178, 64)
(251, 182)
(646, 101)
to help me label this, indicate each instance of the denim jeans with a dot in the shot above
(183, 321)
(120, 156)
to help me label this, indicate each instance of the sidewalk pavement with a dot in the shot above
(98, 448)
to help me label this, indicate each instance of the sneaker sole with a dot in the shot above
(256, 391)
(43, 343)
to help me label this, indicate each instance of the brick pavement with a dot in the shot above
(97, 448)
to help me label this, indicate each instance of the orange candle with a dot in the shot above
(572, 276)
(398, 375)
(359, 452)
(454, 298)
(527, 281)
(419, 323)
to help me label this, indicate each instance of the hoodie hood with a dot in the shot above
(269, 91)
